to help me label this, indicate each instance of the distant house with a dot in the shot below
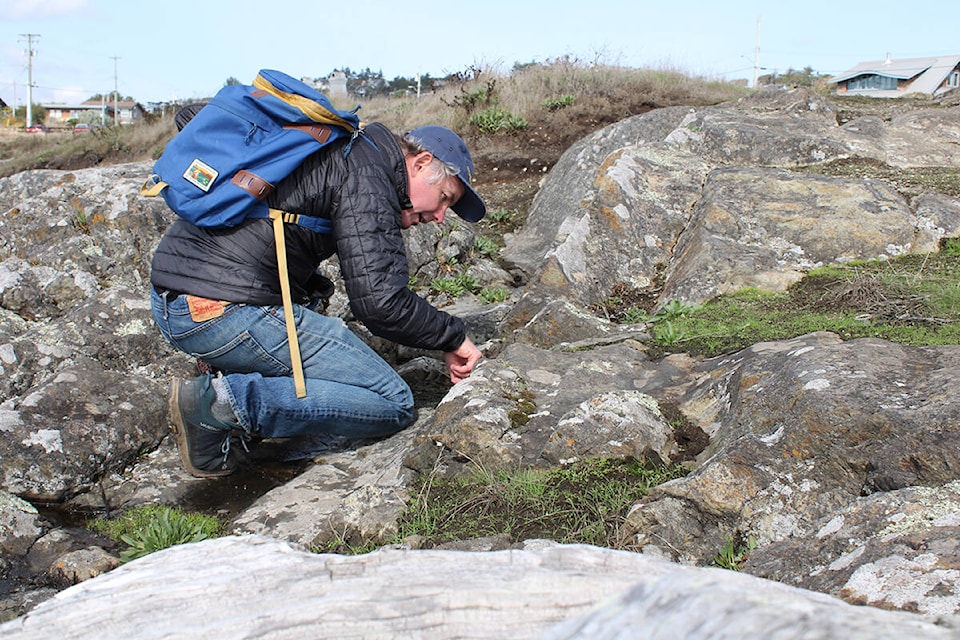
(59, 114)
(334, 85)
(894, 78)
(128, 112)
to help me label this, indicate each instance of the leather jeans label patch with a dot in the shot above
(202, 309)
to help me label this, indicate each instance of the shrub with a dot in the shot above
(553, 104)
(496, 119)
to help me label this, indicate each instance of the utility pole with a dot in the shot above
(30, 54)
(116, 95)
(756, 56)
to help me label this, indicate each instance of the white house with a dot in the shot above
(894, 78)
(128, 112)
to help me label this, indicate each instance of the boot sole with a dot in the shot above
(180, 433)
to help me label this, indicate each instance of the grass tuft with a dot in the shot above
(585, 502)
(151, 527)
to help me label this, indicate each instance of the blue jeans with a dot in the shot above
(351, 391)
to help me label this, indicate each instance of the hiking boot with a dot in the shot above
(203, 441)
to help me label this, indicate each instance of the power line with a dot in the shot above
(30, 54)
(116, 94)
(756, 56)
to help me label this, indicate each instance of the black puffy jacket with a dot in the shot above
(362, 194)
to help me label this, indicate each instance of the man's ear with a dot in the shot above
(422, 160)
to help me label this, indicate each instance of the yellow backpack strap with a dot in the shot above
(314, 111)
(277, 216)
(152, 187)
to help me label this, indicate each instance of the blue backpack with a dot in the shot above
(218, 170)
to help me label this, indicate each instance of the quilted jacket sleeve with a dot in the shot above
(373, 259)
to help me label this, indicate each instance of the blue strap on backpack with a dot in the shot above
(219, 169)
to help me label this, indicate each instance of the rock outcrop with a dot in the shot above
(838, 459)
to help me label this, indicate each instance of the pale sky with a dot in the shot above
(177, 49)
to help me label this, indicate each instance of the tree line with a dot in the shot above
(369, 83)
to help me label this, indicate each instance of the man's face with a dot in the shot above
(429, 200)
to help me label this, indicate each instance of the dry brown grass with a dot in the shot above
(608, 93)
(65, 150)
(598, 95)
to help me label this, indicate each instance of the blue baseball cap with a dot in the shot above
(451, 149)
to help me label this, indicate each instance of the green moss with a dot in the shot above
(913, 300)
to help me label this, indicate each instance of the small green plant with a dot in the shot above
(634, 315)
(502, 221)
(950, 247)
(674, 309)
(151, 528)
(342, 544)
(496, 119)
(491, 295)
(498, 216)
(485, 246)
(80, 221)
(559, 102)
(469, 282)
(734, 552)
(667, 334)
(472, 99)
(448, 264)
(449, 286)
(456, 286)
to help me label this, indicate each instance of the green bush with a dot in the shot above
(553, 104)
(496, 119)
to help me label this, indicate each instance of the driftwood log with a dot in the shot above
(258, 587)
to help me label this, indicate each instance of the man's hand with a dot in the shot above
(462, 360)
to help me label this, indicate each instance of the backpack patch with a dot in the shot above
(200, 174)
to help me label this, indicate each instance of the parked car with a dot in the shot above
(37, 128)
(84, 127)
